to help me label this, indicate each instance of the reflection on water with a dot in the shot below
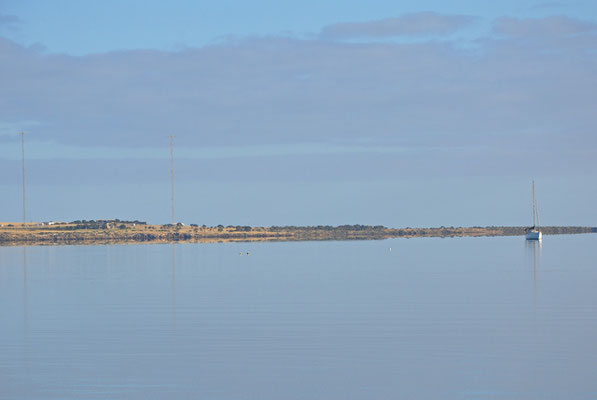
(533, 257)
(25, 295)
(533, 254)
(433, 318)
(173, 301)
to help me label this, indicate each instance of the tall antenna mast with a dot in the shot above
(172, 172)
(23, 171)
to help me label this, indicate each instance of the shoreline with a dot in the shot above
(127, 232)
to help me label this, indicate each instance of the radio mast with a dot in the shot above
(23, 173)
(172, 172)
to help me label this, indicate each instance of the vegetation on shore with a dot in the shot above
(116, 231)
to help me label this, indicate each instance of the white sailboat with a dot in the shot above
(533, 233)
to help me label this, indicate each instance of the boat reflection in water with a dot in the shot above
(533, 255)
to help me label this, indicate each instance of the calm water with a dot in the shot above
(463, 318)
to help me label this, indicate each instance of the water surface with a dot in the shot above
(461, 318)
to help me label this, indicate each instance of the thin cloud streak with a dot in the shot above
(353, 167)
(416, 24)
(549, 27)
(9, 21)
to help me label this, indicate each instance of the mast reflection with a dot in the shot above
(533, 255)
(533, 252)
(173, 291)
(25, 295)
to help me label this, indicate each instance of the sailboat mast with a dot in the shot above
(534, 206)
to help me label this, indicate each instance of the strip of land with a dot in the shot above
(116, 231)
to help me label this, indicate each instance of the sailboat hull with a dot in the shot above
(533, 235)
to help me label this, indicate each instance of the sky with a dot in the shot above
(411, 113)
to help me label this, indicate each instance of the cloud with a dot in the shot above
(9, 21)
(547, 5)
(261, 91)
(417, 24)
(298, 168)
(9, 130)
(548, 27)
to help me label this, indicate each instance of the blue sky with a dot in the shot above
(405, 113)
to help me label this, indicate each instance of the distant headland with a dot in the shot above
(117, 231)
